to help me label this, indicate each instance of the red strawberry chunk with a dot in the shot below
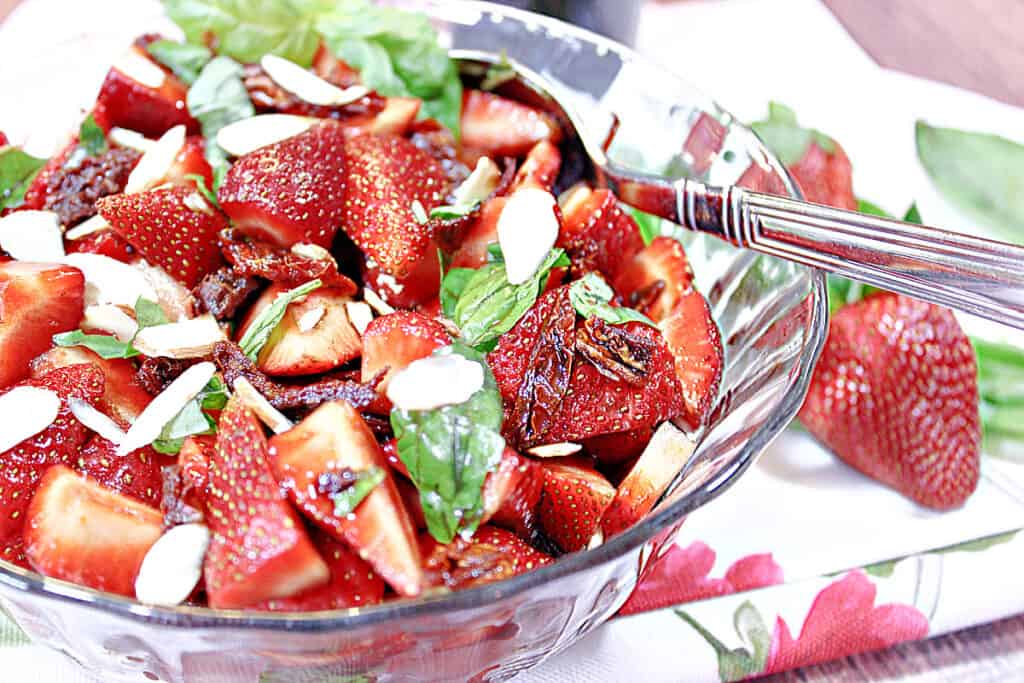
(123, 397)
(385, 175)
(106, 243)
(472, 252)
(191, 160)
(618, 447)
(259, 550)
(895, 395)
(540, 168)
(416, 289)
(696, 344)
(136, 475)
(511, 494)
(37, 301)
(291, 191)
(598, 234)
(656, 279)
(393, 341)
(127, 103)
(575, 498)
(491, 555)
(163, 225)
(499, 126)
(308, 458)
(353, 582)
(81, 532)
(825, 177)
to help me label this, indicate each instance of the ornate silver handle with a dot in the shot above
(970, 274)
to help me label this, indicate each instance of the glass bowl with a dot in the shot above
(773, 319)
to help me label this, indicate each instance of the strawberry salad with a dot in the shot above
(301, 321)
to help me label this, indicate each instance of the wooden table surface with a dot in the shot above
(978, 45)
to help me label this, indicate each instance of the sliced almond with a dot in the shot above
(32, 236)
(248, 135)
(133, 139)
(308, 86)
(596, 540)
(89, 226)
(176, 299)
(435, 382)
(376, 303)
(189, 338)
(573, 197)
(165, 406)
(108, 281)
(96, 421)
(260, 406)
(555, 450)
(527, 230)
(308, 320)
(479, 185)
(140, 69)
(197, 202)
(311, 251)
(156, 161)
(110, 318)
(359, 314)
(26, 411)
(173, 565)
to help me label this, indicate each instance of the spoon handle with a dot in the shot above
(969, 274)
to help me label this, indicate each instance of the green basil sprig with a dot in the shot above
(256, 337)
(591, 297)
(17, 171)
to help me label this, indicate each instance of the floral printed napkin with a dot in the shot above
(804, 560)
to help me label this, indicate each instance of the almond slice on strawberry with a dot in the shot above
(314, 336)
(37, 301)
(696, 344)
(260, 550)
(173, 228)
(306, 460)
(291, 191)
(656, 279)
(574, 500)
(385, 175)
(393, 341)
(79, 531)
(492, 554)
(502, 127)
(123, 397)
(598, 234)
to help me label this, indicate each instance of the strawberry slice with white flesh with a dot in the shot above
(330, 445)
(696, 343)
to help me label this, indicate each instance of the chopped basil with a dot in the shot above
(203, 189)
(91, 137)
(446, 213)
(190, 421)
(347, 500)
(17, 171)
(149, 314)
(452, 286)
(103, 345)
(259, 331)
(218, 97)
(449, 451)
(590, 296)
(186, 60)
(650, 226)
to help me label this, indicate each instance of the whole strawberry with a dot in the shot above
(895, 395)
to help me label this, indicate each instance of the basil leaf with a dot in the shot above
(17, 171)
(913, 215)
(103, 345)
(864, 206)
(148, 313)
(348, 500)
(650, 226)
(214, 395)
(259, 331)
(490, 305)
(186, 60)
(249, 30)
(218, 97)
(498, 74)
(590, 296)
(781, 133)
(450, 450)
(168, 446)
(91, 137)
(190, 420)
(981, 174)
(453, 211)
(452, 286)
(201, 186)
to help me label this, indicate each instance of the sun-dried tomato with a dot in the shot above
(154, 374)
(617, 354)
(72, 191)
(250, 258)
(223, 291)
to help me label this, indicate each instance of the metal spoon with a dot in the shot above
(969, 274)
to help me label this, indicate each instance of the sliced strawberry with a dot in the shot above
(136, 475)
(575, 498)
(353, 582)
(332, 69)
(511, 494)
(598, 234)
(390, 450)
(260, 549)
(419, 287)
(825, 177)
(314, 336)
(37, 301)
(185, 490)
(123, 397)
(472, 252)
(491, 555)
(3, 139)
(291, 191)
(174, 228)
(126, 103)
(665, 456)
(79, 531)
(385, 175)
(502, 127)
(540, 168)
(334, 438)
(397, 116)
(106, 243)
(411, 500)
(695, 342)
(618, 447)
(191, 160)
(394, 340)
(656, 279)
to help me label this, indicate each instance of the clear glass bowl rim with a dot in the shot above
(205, 617)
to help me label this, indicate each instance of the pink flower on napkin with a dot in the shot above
(681, 575)
(842, 621)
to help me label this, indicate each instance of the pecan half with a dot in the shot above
(617, 354)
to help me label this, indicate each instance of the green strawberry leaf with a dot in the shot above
(259, 331)
(781, 133)
(590, 296)
(450, 450)
(91, 137)
(981, 174)
(186, 60)
(17, 171)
